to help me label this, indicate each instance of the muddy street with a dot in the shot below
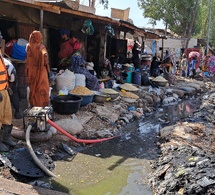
(115, 167)
(118, 166)
(134, 162)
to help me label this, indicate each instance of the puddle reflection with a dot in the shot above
(179, 112)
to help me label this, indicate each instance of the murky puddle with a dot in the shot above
(174, 113)
(118, 166)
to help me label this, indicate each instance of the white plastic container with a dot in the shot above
(22, 42)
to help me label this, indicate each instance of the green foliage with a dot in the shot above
(212, 28)
(104, 3)
(176, 14)
(204, 21)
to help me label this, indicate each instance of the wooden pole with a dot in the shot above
(105, 45)
(162, 48)
(191, 24)
(41, 20)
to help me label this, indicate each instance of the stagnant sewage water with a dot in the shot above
(119, 166)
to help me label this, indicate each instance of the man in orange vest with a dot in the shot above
(5, 108)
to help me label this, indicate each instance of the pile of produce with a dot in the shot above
(128, 87)
(109, 91)
(159, 79)
(129, 95)
(81, 90)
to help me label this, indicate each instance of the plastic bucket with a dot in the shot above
(66, 104)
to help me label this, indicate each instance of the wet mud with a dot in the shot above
(121, 165)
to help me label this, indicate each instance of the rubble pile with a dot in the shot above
(184, 170)
(187, 161)
(108, 119)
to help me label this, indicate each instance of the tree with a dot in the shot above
(212, 32)
(91, 3)
(191, 24)
(104, 3)
(212, 26)
(177, 15)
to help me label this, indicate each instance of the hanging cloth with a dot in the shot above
(87, 27)
(109, 30)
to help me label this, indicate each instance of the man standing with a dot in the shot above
(14, 96)
(67, 48)
(184, 65)
(5, 109)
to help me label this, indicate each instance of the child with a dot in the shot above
(118, 75)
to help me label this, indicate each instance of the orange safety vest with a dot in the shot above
(3, 74)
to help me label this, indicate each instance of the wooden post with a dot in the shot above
(105, 45)
(162, 48)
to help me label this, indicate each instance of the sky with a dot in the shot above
(135, 12)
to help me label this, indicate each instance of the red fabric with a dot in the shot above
(77, 46)
(67, 48)
(9, 46)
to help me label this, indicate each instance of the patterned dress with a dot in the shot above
(78, 66)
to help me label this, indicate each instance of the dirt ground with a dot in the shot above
(9, 187)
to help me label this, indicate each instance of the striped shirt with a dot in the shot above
(11, 70)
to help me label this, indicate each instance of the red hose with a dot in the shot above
(74, 138)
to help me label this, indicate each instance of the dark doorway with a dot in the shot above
(117, 48)
(54, 44)
(54, 47)
(93, 45)
(8, 29)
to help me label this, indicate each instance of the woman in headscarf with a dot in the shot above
(167, 61)
(106, 69)
(78, 66)
(154, 68)
(37, 66)
(211, 63)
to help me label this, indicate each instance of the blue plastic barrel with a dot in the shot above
(129, 68)
(136, 78)
(129, 77)
(19, 52)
